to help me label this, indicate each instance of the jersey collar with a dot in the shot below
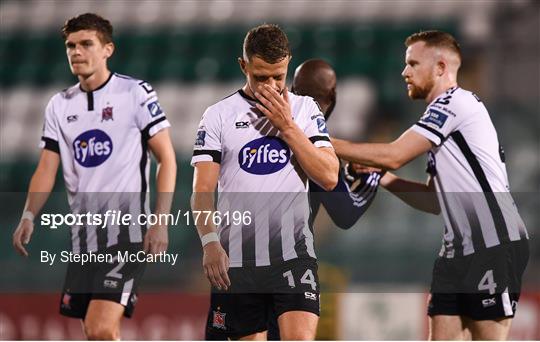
(100, 87)
(90, 94)
(246, 96)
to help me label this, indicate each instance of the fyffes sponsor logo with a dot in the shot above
(92, 148)
(264, 156)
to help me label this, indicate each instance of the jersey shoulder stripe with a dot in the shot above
(438, 134)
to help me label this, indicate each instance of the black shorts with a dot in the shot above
(482, 286)
(256, 292)
(114, 281)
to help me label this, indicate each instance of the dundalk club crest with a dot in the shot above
(107, 114)
(218, 320)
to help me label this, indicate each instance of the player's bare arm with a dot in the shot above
(215, 260)
(40, 187)
(421, 196)
(156, 239)
(320, 164)
(389, 156)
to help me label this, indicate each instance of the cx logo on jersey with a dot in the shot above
(112, 284)
(241, 124)
(489, 302)
(264, 156)
(92, 148)
(310, 295)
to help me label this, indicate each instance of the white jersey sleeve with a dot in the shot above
(208, 141)
(442, 117)
(150, 117)
(315, 128)
(49, 138)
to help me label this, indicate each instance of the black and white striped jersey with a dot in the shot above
(259, 175)
(101, 137)
(470, 176)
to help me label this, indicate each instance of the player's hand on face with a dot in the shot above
(216, 265)
(22, 236)
(156, 240)
(274, 106)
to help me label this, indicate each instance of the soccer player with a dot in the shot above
(100, 131)
(477, 277)
(355, 191)
(259, 146)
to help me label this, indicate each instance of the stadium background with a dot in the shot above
(376, 275)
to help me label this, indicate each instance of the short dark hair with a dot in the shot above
(435, 38)
(267, 41)
(89, 21)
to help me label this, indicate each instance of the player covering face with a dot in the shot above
(262, 140)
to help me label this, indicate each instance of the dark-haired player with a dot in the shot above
(354, 192)
(100, 131)
(477, 277)
(260, 146)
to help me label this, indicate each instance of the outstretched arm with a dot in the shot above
(421, 196)
(390, 156)
(351, 197)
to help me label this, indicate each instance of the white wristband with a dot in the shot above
(207, 238)
(28, 215)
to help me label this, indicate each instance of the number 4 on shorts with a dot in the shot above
(487, 283)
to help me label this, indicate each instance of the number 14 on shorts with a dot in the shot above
(308, 278)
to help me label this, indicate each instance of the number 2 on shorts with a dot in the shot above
(115, 272)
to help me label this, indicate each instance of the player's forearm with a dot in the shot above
(202, 200)
(383, 156)
(319, 166)
(417, 195)
(342, 209)
(40, 187)
(165, 183)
